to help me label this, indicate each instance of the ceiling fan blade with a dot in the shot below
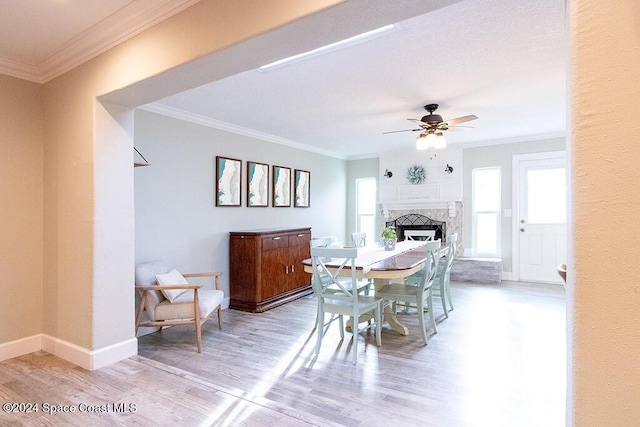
(404, 130)
(462, 119)
(457, 128)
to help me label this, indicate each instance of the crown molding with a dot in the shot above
(126, 23)
(510, 140)
(187, 116)
(20, 70)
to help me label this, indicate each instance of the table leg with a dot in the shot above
(389, 316)
(392, 319)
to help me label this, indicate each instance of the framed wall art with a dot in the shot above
(302, 188)
(228, 181)
(257, 184)
(281, 187)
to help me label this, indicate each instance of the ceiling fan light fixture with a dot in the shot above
(422, 142)
(439, 141)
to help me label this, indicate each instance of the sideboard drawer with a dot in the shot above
(275, 242)
(299, 239)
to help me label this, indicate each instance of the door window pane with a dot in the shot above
(546, 196)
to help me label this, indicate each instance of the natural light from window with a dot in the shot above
(366, 191)
(546, 194)
(486, 202)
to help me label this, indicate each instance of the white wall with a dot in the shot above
(176, 219)
(449, 185)
(501, 156)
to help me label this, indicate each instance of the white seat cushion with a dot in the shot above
(182, 306)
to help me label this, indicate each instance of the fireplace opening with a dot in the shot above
(418, 222)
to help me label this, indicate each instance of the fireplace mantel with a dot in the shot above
(387, 207)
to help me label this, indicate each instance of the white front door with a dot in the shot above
(541, 216)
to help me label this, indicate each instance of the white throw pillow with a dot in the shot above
(172, 278)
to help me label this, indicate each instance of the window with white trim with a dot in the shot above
(486, 207)
(366, 191)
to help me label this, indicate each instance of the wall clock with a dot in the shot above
(416, 174)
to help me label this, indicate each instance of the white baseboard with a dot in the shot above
(507, 275)
(16, 348)
(90, 359)
(225, 303)
(87, 359)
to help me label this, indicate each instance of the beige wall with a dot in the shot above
(604, 335)
(21, 200)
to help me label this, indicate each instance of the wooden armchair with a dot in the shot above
(170, 300)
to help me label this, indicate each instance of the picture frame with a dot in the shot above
(302, 189)
(281, 186)
(257, 184)
(228, 181)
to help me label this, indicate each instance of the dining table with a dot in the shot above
(374, 262)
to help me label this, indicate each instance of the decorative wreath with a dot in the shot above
(416, 174)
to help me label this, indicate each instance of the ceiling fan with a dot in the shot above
(431, 123)
(431, 128)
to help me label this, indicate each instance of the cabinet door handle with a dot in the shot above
(293, 268)
(300, 235)
(277, 238)
(287, 270)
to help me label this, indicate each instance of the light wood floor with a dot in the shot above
(499, 360)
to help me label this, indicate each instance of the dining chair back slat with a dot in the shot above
(417, 289)
(359, 240)
(420, 234)
(336, 289)
(444, 275)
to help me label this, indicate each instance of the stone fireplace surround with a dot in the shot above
(444, 214)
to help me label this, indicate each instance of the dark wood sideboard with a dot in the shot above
(265, 268)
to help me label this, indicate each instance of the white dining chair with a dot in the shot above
(443, 276)
(359, 240)
(364, 286)
(323, 242)
(419, 234)
(417, 289)
(336, 297)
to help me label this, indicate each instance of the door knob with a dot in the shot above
(522, 221)
(522, 230)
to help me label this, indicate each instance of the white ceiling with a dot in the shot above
(502, 60)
